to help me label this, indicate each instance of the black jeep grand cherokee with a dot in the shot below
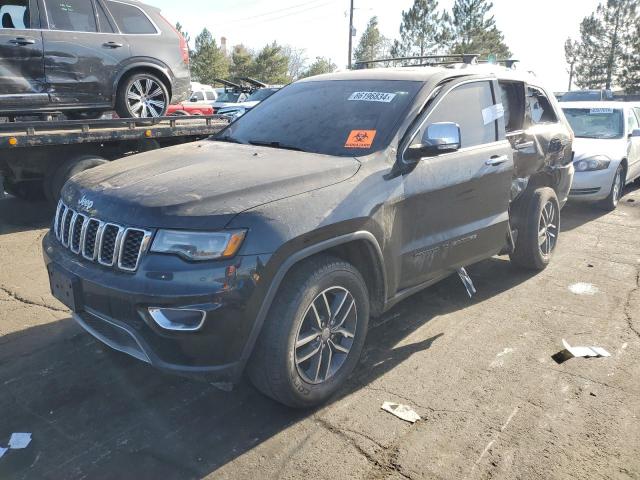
(270, 246)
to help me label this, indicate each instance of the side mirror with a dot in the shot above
(193, 99)
(635, 133)
(443, 137)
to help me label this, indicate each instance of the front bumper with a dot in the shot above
(592, 186)
(113, 307)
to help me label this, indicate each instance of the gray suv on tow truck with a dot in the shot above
(268, 247)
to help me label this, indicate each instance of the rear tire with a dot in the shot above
(67, 170)
(142, 95)
(299, 323)
(610, 203)
(539, 230)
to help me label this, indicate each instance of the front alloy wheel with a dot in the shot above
(325, 335)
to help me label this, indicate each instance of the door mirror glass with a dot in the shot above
(441, 137)
(636, 133)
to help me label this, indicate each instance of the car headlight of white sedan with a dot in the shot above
(597, 162)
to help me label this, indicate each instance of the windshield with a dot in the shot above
(605, 123)
(333, 117)
(261, 94)
(229, 97)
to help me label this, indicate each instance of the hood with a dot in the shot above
(224, 104)
(615, 149)
(201, 185)
(245, 105)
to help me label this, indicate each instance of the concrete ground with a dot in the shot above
(493, 402)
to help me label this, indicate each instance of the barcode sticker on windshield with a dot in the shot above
(372, 97)
(596, 111)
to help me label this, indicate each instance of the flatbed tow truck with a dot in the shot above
(38, 157)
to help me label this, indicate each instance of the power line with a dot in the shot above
(268, 14)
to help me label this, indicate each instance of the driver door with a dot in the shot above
(22, 82)
(456, 204)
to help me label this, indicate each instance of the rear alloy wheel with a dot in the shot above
(142, 96)
(538, 229)
(313, 335)
(611, 202)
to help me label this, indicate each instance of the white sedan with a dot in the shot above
(607, 149)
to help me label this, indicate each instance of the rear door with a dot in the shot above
(22, 82)
(455, 208)
(83, 51)
(634, 145)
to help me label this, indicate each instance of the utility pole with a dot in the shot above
(350, 34)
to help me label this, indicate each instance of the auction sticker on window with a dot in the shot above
(597, 111)
(372, 97)
(360, 139)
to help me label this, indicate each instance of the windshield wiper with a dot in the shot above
(275, 145)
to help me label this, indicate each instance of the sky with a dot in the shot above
(535, 30)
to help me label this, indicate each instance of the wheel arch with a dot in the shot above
(359, 248)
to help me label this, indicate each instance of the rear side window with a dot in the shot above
(632, 121)
(539, 109)
(131, 20)
(14, 14)
(71, 15)
(211, 96)
(464, 105)
(512, 95)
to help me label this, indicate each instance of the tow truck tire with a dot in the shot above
(124, 108)
(277, 368)
(67, 170)
(29, 191)
(539, 229)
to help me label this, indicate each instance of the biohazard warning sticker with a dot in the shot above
(360, 139)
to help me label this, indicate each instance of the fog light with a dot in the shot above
(178, 319)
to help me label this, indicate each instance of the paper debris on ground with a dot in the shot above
(3, 451)
(585, 351)
(19, 440)
(467, 282)
(401, 411)
(583, 289)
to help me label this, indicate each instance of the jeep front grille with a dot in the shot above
(109, 244)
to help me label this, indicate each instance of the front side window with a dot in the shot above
(14, 14)
(344, 118)
(471, 107)
(197, 96)
(131, 20)
(103, 20)
(632, 121)
(71, 15)
(603, 123)
(539, 108)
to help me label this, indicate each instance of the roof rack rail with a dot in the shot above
(450, 59)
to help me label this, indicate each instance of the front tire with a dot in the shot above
(142, 95)
(313, 335)
(611, 202)
(539, 229)
(67, 170)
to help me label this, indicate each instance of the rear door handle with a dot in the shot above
(22, 41)
(495, 161)
(112, 45)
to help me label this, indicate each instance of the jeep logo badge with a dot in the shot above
(85, 204)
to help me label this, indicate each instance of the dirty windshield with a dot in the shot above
(229, 97)
(339, 117)
(604, 123)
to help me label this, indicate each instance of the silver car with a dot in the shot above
(607, 149)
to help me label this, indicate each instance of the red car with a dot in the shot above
(190, 108)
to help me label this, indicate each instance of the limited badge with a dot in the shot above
(360, 139)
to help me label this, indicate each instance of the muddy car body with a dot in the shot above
(267, 248)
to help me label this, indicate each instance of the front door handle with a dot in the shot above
(497, 160)
(22, 41)
(112, 45)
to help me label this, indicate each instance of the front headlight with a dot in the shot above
(599, 162)
(198, 245)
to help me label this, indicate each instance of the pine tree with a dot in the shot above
(372, 43)
(571, 54)
(319, 66)
(473, 29)
(180, 30)
(421, 30)
(242, 62)
(606, 38)
(271, 65)
(630, 78)
(208, 61)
